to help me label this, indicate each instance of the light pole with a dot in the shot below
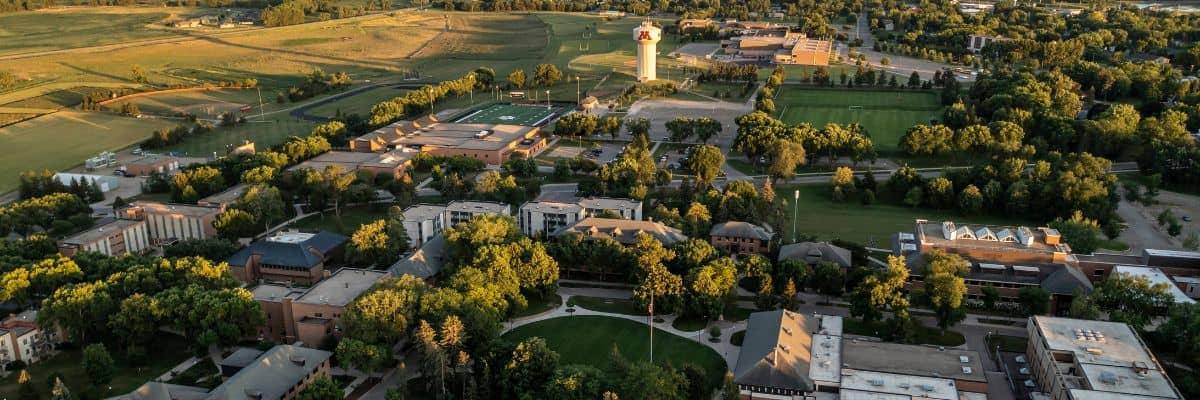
(577, 92)
(547, 99)
(795, 209)
(431, 112)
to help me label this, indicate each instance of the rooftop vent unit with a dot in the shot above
(787, 330)
(785, 348)
(926, 387)
(904, 385)
(1094, 351)
(964, 359)
(483, 133)
(876, 382)
(966, 370)
(1108, 377)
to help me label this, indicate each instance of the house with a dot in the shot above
(23, 339)
(549, 212)
(888, 24)
(739, 237)
(114, 238)
(280, 373)
(1074, 359)
(423, 222)
(290, 256)
(392, 163)
(623, 230)
(148, 164)
(167, 223)
(815, 252)
(492, 143)
(309, 315)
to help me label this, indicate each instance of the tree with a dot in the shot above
(945, 286)
(576, 382)
(1131, 299)
(730, 389)
(363, 356)
(209, 316)
(711, 285)
(1081, 233)
(785, 157)
(384, 313)
(135, 320)
(27, 391)
(1183, 327)
(697, 218)
(990, 297)
(370, 245)
(881, 291)
(321, 388)
(705, 162)
(547, 74)
(914, 80)
(680, 128)
(829, 279)
(60, 391)
(1033, 300)
(517, 78)
(97, 364)
(234, 224)
(531, 366)
(264, 203)
(970, 200)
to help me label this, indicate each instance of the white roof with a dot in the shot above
(992, 266)
(1022, 268)
(1105, 351)
(869, 384)
(1156, 276)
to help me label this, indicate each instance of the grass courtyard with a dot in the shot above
(588, 340)
(871, 225)
(165, 352)
(346, 223)
(886, 114)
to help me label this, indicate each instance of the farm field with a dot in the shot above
(27, 32)
(263, 134)
(206, 104)
(588, 339)
(873, 225)
(886, 115)
(64, 139)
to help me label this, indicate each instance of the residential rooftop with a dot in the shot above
(1109, 356)
(740, 229)
(225, 197)
(475, 207)
(342, 288)
(814, 252)
(290, 249)
(906, 359)
(423, 212)
(102, 231)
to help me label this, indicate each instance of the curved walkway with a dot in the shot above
(727, 351)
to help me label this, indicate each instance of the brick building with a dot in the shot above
(22, 339)
(309, 315)
(290, 256)
(145, 165)
(167, 223)
(280, 373)
(550, 213)
(1074, 359)
(493, 144)
(392, 163)
(114, 238)
(739, 237)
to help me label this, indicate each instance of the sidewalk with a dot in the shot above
(183, 366)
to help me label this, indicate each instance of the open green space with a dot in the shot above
(528, 115)
(64, 139)
(263, 134)
(26, 32)
(163, 353)
(886, 114)
(346, 223)
(871, 225)
(587, 340)
(208, 104)
(360, 103)
(608, 305)
(538, 305)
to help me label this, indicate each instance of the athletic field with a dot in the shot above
(511, 114)
(885, 114)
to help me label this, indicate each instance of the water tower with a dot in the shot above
(647, 36)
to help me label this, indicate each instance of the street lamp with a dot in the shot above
(577, 92)
(431, 112)
(547, 99)
(795, 209)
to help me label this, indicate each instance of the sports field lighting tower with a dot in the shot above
(647, 36)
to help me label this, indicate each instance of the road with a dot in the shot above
(901, 65)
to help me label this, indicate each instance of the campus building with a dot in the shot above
(491, 143)
(458, 212)
(168, 223)
(280, 373)
(623, 231)
(224, 199)
(739, 237)
(778, 45)
(424, 263)
(976, 43)
(551, 213)
(148, 164)
(288, 256)
(115, 238)
(391, 163)
(1074, 359)
(309, 315)
(812, 253)
(1005, 258)
(793, 356)
(424, 222)
(22, 339)
(1176, 264)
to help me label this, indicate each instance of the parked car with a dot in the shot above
(673, 165)
(1187, 218)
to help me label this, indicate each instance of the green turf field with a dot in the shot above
(64, 139)
(588, 339)
(885, 114)
(528, 115)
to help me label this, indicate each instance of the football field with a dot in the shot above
(513, 114)
(886, 114)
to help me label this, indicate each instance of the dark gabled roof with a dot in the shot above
(1065, 280)
(423, 263)
(776, 351)
(813, 252)
(741, 230)
(304, 254)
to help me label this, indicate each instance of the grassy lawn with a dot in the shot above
(201, 374)
(1112, 244)
(1012, 344)
(359, 103)
(734, 89)
(346, 224)
(164, 353)
(26, 32)
(588, 339)
(924, 335)
(208, 104)
(263, 134)
(885, 114)
(735, 313)
(604, 304)
(65, 139)
(849, 220)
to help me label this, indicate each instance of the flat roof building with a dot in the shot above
(167, 223)
(309, 315)
(279, 373)
(787, 353)
(494, 144)
(148, 164)
(225, 198)
(550, 213)
(114, 238)
(814, 252)
(425, 263)
(423, 222)
(1074, 359)
(391, 163)
(1156, 277)
(460, 211)
(964, 367)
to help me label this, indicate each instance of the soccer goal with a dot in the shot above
(856, 108)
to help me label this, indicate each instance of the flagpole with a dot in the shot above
(652, 329)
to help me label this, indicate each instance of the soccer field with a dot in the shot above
(511, 114)
(885, 114)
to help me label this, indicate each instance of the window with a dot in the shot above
(1098, 272)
